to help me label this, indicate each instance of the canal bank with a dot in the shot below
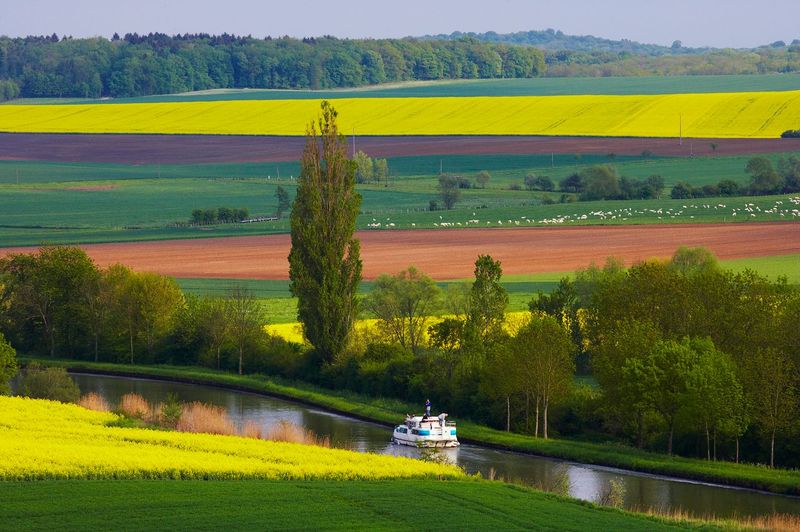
(387, 412)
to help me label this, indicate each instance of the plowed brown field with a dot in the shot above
(190, 149)
(450, 254)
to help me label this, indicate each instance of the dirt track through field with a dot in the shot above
(192, 149)
(450, 254)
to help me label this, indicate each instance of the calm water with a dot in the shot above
(642, 491)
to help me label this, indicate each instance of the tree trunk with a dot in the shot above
(708, 444)
(714, 439)
(772, 450)
(536, 423)
(217, 357)
(240, 359)
(96, 355)
(639, 429)
(527, 411)
(508, 413)
(737, 449)
(130, 331)
(545, 404)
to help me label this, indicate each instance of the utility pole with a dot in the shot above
(440, 167)
(552, 160)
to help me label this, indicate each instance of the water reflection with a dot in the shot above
(586, 482)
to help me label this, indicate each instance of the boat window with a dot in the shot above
(414, 431)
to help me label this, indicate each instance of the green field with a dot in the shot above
(489, 87)
(308, 505)
(504, 168)
(82, 203)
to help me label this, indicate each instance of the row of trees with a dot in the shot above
(369, 169)
(138, 65)
(57, 302)
(765, 179)
(222, 215)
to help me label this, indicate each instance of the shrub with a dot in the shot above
(55, 384)
(614, 494)
(94, 401)
(514, 186)
(433, 205)
(8, 364)
(791, 134)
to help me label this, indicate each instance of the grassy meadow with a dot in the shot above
(84, 202)
(309, 505)
(486, 87)
(763, 114)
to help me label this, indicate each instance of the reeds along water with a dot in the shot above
(199, 417)
(94, 401)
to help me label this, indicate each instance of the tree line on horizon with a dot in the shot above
(142, 65)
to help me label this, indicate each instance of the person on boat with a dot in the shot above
(427, 408)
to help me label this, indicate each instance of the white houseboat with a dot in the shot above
(426, 431)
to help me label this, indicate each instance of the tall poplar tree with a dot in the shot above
(325, 263)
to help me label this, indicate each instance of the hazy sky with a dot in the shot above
(720, 23)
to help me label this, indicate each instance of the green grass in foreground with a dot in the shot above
(388, 411)
(305, 505)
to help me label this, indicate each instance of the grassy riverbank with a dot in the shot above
(309, 505)
(388, 412)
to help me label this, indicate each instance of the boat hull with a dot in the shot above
(426, 443)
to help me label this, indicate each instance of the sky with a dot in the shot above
(717, 23)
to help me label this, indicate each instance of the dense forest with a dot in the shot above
(139, 65)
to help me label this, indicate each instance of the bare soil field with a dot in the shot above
(191, 149)
(451, 253)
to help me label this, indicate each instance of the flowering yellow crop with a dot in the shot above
(744, 114)
(292, 332)
(49, 440)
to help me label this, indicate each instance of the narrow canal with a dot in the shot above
(587, 481)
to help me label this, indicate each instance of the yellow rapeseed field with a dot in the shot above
(745, 114)
(293, 332)
(50, 440)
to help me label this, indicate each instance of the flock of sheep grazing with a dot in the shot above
(780, 210)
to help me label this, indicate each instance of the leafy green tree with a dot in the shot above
(500, 378)
(447, 337)
(365, 167)
(381, 170)
(771, 380)
(8, 364)
(449, 190)
(403, 304)
(665, 375)
(600, 182)
(543, 359)
(716, 399)
(488, 299)
(482, 177)
(763, 177)
(245, 317)
(626, 397)
(694, 260)
(158, 299)
(324, 262)
(283, 200)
